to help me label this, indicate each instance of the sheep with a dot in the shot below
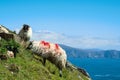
(25, 33)
(3, 30)
(52, 52)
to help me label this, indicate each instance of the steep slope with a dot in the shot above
(29, 67)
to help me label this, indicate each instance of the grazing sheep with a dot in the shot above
(52, 52)
(25, 33)
(3, 30)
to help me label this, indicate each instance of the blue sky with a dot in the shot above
(78, 23)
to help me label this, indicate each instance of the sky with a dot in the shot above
(77, 23)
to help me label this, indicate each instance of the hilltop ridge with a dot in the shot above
(91, 53)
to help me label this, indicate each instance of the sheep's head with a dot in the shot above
(26, 27)
(30, 45)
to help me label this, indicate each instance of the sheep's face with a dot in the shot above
(30, 45)
(25, 27)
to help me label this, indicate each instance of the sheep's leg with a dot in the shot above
(60, 73)
(44, 61)
(60, 69)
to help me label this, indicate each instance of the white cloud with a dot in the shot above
(79, 42)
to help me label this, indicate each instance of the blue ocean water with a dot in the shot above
(99, 69)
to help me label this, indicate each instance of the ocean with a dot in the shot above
(99, 69)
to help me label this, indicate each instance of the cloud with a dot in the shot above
(79, 42)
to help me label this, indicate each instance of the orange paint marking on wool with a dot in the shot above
(57, 50)
(46, 44)
(56, 46)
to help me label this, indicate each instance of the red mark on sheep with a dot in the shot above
(56, 46)
(46, 44)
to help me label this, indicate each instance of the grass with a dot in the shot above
(29, 68)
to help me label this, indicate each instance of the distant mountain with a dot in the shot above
(90, 53)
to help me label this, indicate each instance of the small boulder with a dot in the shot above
(13, 68)
(3, 57)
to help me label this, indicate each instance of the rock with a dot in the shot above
(72, 67)
(3, 57)
(3, 29)
(6, 36)
(13, 68)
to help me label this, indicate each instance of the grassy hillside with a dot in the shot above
(28, 67)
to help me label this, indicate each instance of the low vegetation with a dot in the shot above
(26, 66)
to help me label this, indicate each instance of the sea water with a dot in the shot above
(99, 69)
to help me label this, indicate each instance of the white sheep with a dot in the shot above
(25, 33)
(52, 52)
(3, 30)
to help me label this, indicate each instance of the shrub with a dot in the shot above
(4, 44)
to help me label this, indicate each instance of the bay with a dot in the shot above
(99, 69)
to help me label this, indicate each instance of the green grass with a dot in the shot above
(30, 68)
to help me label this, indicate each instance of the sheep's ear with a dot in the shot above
(25, 25)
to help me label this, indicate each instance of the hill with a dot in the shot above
(91, 53)
(29, 67)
